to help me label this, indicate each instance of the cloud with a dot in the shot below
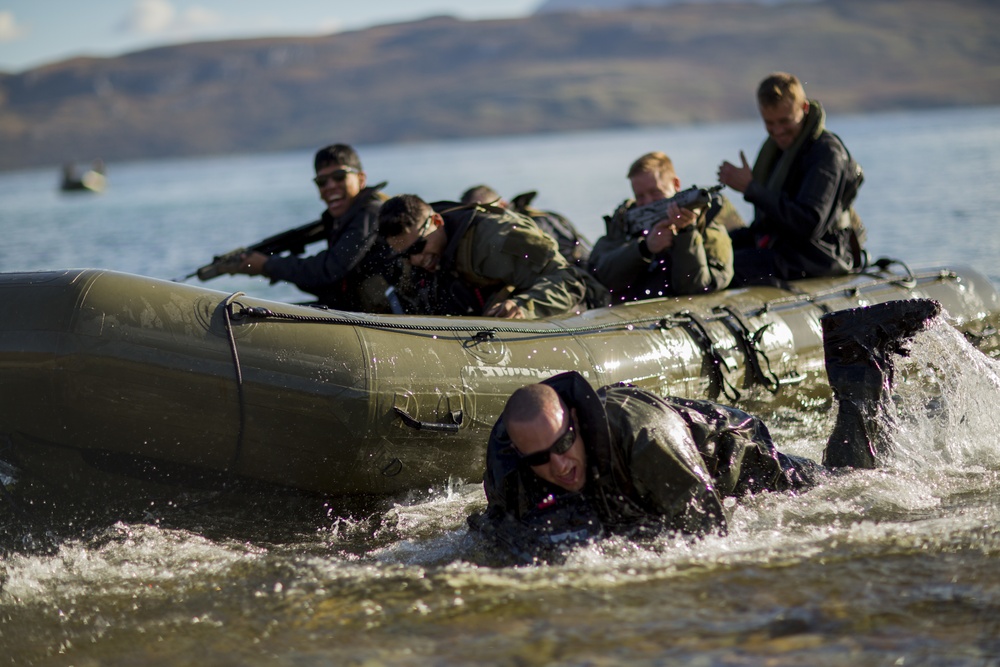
(9, 29)
(149, 17)
(160, 17)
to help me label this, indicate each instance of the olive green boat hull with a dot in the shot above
(109, 373)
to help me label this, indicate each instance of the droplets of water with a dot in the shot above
(947, 404)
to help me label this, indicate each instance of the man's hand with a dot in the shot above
(250, 263)
(661, 235)
(508, 309)
(738, 178)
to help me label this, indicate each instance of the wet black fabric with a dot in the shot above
(353, 254)
(653, 464)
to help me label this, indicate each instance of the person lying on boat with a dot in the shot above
(572, 244)
(349, 273)
(802, 187)
(686, 252)
(566, 463)
(480, 260)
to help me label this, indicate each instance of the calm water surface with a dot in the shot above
(891, 567)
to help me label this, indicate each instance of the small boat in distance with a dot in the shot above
(92, 180)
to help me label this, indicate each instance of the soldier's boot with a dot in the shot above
(859, 345)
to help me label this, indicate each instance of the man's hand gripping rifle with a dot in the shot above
(293, 241)
(640, 219)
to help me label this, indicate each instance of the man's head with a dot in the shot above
(339, 177)
(653, 178)
(413, 230)
(483, 194)
(546, 436)
(783, 106)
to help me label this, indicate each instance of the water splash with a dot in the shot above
(947, 402)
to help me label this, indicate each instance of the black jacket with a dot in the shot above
(333, 275)
(803, 222)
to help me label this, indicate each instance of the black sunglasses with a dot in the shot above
(560, 446)
(417, 246)
(338, 176)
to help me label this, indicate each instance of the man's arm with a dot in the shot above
(805, 215)
(525, 258)
(618, 262)
(333, 264)
(664, 462)
(702, 261)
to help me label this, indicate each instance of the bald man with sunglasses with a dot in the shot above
(627, 462)
(350, 273)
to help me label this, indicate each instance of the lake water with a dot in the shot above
(891, 567)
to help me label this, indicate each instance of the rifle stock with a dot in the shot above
(641, 218)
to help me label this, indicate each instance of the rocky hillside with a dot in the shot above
(443, 78)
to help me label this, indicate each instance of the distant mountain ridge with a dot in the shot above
(446, 78)
(615, 5)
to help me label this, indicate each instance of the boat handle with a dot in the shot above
(456, 417)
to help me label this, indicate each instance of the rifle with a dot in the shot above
(640, 218)
(293, 241)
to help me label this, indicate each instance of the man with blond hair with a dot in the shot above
(686, 252)
(802, 186)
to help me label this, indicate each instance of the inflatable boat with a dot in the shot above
(107, 377)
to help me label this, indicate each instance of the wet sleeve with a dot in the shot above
(526, 259)
(806, 214)
(701, 261)
(329, 266)
(666, 466)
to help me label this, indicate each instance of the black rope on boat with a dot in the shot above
(753, 354)
(909, 282)
(228, 315)
(719, 383)
(484, 333)
(883, 264)
(480, 333)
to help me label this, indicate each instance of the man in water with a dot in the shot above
(347, 275)
(802, 186)
(476, 260)
(566, 463)
(687, 252)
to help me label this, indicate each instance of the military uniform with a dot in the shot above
(493, 255)
(652, 464)
(700, 259)
(803, 220)
(342, 276)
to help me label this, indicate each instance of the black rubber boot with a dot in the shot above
(859, 344)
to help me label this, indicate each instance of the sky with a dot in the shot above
(37, 32)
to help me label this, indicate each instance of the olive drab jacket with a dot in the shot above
(700, 259)
(653, 464)
(494, 254)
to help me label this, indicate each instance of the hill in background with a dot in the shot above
(445, 78)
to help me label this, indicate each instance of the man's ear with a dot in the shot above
(362, 180)
(436, 219)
